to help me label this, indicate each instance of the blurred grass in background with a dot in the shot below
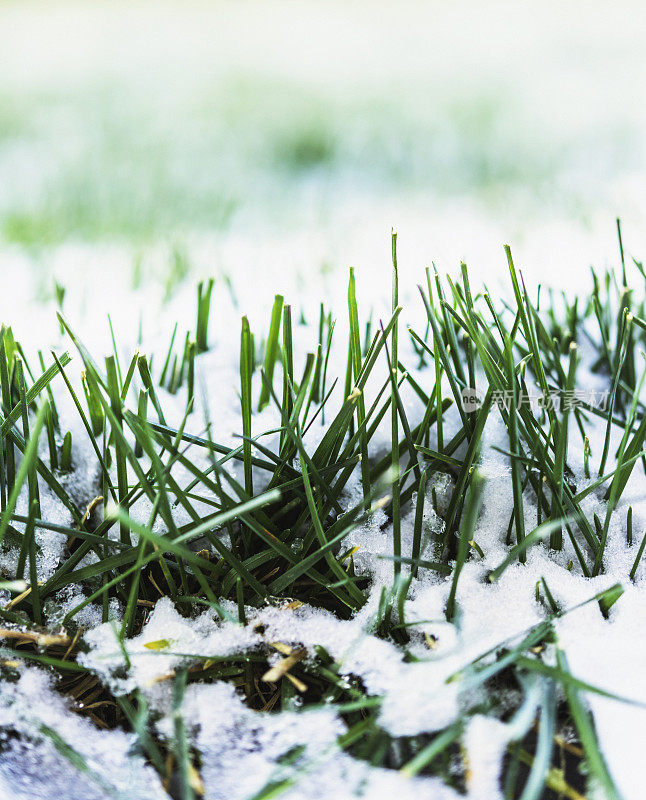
(132, 122)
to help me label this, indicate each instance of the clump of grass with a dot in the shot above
(286, 539)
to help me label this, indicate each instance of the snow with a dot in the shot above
(158, 649)
(242, 749)
(613, 659)
(485, 741)
(31, 766)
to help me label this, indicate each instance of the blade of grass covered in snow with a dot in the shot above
(122, 473)
(439, 346)
(431, 751)
(334, 565)
(396, 484)
(203, 309)
(539, 533)
(519, 725)
(78, 761)
(466, 471)
(33, 392)
(355, 356)
(29, 455)
(556, 538)
(522, 302)
(246, 371)
(534, 786)
(565, 678)
(420, 563)
(586, 733)
(620, 478)
(180, 743)
(518, 512)
(272, 349)
(288, 370)
(467, 527)
(398, 406)
(622, 350)
(417, 526)
(480, 670)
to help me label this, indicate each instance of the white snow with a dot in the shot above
(32, 766)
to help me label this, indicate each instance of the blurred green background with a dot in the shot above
(320, 125)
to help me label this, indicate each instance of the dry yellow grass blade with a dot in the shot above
(300, 686)
(41, 639)
(281, 669)
(285, 649)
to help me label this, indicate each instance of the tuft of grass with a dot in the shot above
(276, 530)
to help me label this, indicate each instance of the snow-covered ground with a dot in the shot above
(273, 145)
